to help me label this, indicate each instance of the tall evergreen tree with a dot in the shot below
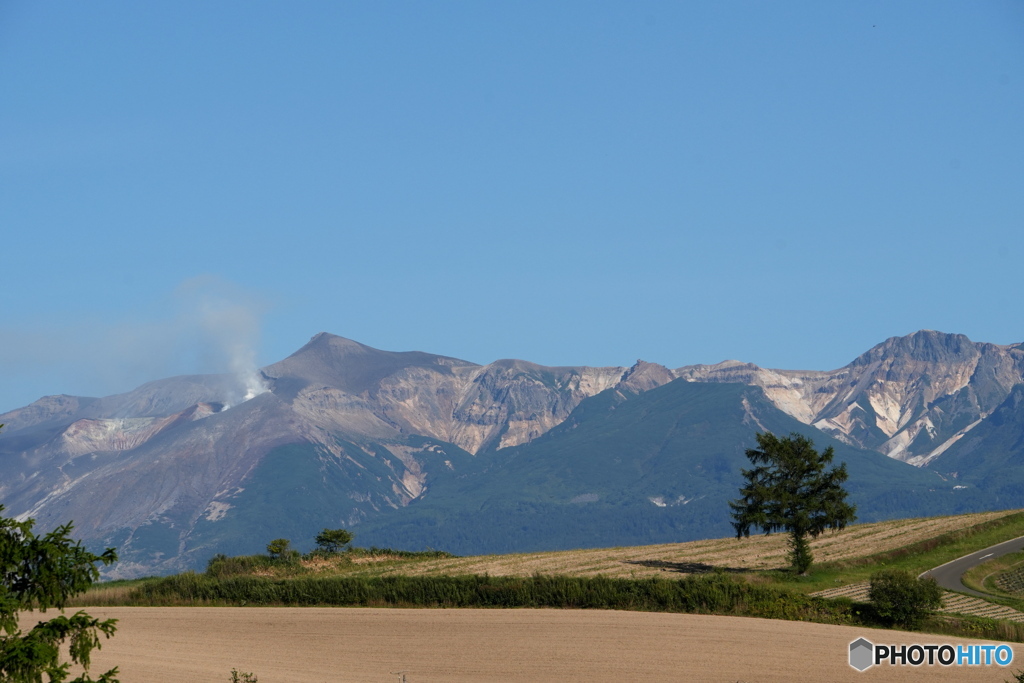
(789, 489)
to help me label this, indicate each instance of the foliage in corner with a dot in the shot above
(790, 490)
(40, 572)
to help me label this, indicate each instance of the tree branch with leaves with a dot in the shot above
(43, 572)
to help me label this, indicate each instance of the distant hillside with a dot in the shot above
(627, 469)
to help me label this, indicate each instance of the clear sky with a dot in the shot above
(784, 183)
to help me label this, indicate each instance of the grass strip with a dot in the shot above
(915, 557)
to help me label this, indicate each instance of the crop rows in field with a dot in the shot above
(695, 557)
(1011, 581)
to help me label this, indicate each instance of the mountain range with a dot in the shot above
(413, 449)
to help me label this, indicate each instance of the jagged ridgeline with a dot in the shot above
(411, 449)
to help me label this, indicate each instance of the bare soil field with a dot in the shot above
(317, 645)
(756, 552)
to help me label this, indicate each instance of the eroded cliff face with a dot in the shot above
(475, 407)
(511, 402)
(908, 397)
(794, 392)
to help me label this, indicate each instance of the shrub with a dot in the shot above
(333, 540)
(903, 600)
(279, 548)
(217, 559)
(710, 594)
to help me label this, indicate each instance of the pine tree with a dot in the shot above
(790, 490)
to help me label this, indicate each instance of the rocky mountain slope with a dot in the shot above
(378, 394)
(991, 457)
(909, 397)
(148, 470)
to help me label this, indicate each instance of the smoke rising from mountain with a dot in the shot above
(207, 325)
(229, 324)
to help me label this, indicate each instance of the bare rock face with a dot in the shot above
(151, 469)
(353, 388)
(908, 397)
(644, 376)
(510, 402)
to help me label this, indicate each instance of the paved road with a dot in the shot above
(949, 575)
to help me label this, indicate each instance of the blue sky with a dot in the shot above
(570, 183)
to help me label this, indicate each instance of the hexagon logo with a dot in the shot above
(862, 654)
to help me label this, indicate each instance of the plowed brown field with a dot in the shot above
(317, 645)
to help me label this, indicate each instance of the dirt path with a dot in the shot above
(317, 645)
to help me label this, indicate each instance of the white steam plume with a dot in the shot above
(229, 321)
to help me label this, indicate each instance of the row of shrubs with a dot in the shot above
(896, 596)
(899, 600)
(708, 594)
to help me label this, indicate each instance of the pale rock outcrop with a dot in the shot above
(908, 397)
